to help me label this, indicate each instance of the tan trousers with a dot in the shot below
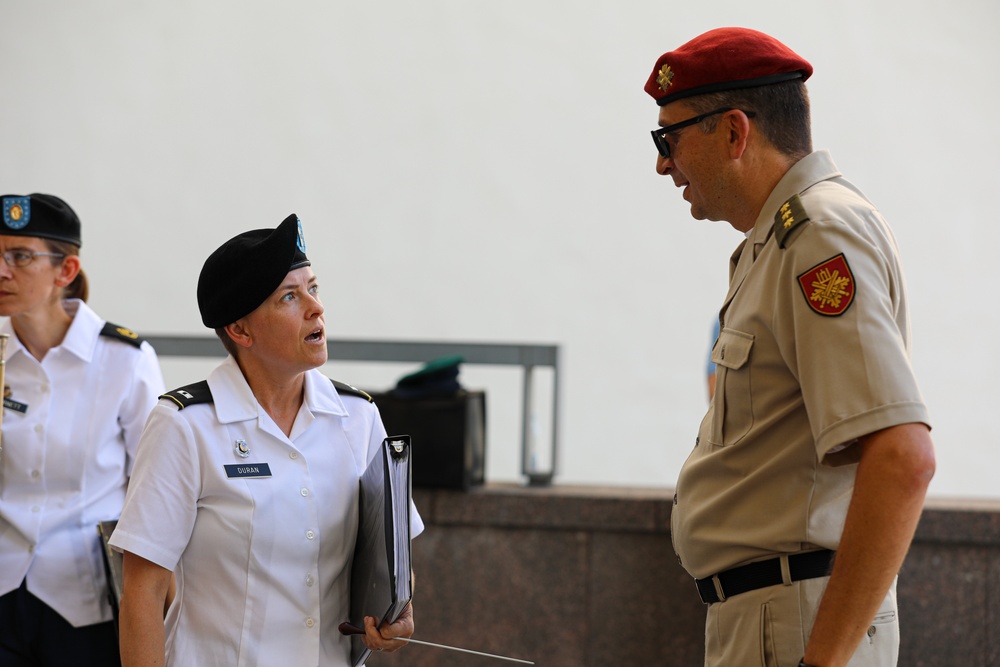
(769, 627)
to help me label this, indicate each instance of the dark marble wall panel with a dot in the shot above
(943, 599)
(647, 609)
(520, 593)
(586, 577)
(993, 610)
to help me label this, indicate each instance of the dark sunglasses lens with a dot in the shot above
(661, 143)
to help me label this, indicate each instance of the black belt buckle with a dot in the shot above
(762, 574)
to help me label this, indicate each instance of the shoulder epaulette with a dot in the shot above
(790, 215)
(350, 390)
(121, 333)
(190, 395)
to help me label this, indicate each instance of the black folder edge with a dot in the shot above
(112, 567)
(367, 551)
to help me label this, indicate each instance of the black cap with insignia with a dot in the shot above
(246, 269)
(40, 215)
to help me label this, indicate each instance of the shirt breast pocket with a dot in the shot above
(732, 405)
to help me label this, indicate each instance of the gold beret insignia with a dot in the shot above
(665, 77)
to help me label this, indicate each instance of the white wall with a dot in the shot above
(482, 171)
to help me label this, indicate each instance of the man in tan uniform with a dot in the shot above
(797, 506)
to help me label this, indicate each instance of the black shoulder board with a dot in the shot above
(190, 395)
(343, 388)
(121, 333)
(790, 215)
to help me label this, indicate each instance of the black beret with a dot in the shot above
(246, 269)
(43, 216)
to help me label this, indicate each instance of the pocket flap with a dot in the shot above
(732, 350)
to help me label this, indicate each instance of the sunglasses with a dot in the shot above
(660, 133)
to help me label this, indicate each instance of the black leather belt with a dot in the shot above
(764, 573)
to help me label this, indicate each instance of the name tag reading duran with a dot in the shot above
(247, 470)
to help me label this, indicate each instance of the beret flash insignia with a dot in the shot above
(16, 211)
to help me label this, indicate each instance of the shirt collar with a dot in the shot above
(810, 170)
(234, 400)
(81, 337)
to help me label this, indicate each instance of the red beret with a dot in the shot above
(724, 59)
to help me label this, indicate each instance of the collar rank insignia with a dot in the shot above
(791, 214)
(242, 449)
(665, 77)
(829, 286)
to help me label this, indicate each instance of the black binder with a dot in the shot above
(380, 574)
(112, 567)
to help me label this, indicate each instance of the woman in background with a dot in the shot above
(77, 391)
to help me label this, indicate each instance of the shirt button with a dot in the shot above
(310, 622)
(35, 474)
(310, 535)
(293, 455)
(39, 428)
(44, 388)
(309, 580)
(36, 509)
(304, 492)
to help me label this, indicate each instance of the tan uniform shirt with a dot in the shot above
(813, 354)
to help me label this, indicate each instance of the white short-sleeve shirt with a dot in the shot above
(261, 562)
(70, 429)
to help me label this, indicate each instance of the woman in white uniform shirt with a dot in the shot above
(77, 392)
(246, 485)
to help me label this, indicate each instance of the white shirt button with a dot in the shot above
(310, 535)
(304, 492)
(293, 455)
(35, 474)
(310, 622)
(309, 580)
(36, 509)
(39, 428)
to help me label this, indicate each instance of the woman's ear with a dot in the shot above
(68, 270)
(238, 333)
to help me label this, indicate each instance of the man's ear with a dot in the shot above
(68, 270)
(239, 333)
(738, 130)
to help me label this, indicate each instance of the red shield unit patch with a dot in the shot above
(829, 287)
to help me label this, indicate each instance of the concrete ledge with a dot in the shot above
(586, 577)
